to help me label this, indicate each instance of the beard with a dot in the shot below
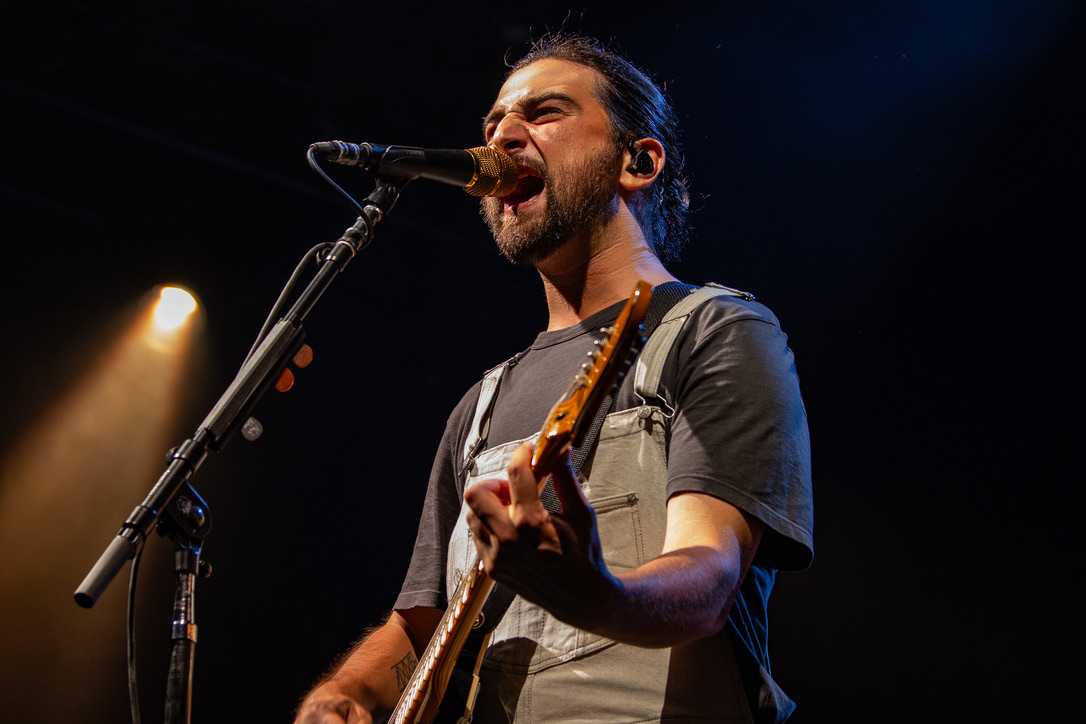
(582, 199)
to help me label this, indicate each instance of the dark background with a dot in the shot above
(902, 183)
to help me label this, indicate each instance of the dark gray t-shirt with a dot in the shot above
(739, 433)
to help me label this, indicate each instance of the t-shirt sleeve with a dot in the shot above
(424, 584)
(740, 428)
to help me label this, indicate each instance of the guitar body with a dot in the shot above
(567, 424)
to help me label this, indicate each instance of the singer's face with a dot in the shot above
(548, 119)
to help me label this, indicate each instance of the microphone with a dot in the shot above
(480, 171)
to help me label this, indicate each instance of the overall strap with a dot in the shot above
(480, 424)
(650, 363)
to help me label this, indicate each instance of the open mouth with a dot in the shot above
(528, 187)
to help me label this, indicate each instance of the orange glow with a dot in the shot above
(65, 486)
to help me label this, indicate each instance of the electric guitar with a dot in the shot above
(567, 424)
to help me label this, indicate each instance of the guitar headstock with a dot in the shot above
(569, 420)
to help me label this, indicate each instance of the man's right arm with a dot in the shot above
(372, 676)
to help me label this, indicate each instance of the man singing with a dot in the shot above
(641, 594)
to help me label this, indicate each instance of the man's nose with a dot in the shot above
(510, 134)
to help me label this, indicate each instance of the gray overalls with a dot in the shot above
(538, 669)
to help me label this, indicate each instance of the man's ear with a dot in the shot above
(642, 162)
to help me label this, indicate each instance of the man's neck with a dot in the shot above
(585, 276)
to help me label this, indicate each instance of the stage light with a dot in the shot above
(77, 470)
(174, 307)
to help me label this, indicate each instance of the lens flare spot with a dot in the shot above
(174, 307)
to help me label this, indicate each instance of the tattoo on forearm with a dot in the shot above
(403, 668)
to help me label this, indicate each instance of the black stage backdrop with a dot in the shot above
(901, 183)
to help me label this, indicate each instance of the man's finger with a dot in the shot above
(487, 501)
(523, 485)
(492, 487)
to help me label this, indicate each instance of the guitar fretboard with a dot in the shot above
(435, 667)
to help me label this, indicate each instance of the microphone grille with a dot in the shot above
(496, 174)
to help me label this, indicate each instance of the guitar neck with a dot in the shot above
(422, 696)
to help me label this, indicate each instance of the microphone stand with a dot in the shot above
(187, 524)
(188, 518)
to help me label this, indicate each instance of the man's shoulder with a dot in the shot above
(728, 334)
(726, 306)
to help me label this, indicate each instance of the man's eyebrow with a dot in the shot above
(498, 112)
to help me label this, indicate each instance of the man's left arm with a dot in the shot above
(556, 561)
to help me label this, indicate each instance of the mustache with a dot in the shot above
(535, 166)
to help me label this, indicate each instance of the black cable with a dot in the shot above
(316, 167)
(273, 315)
(133, 688)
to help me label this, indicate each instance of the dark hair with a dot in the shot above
(637, 109)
